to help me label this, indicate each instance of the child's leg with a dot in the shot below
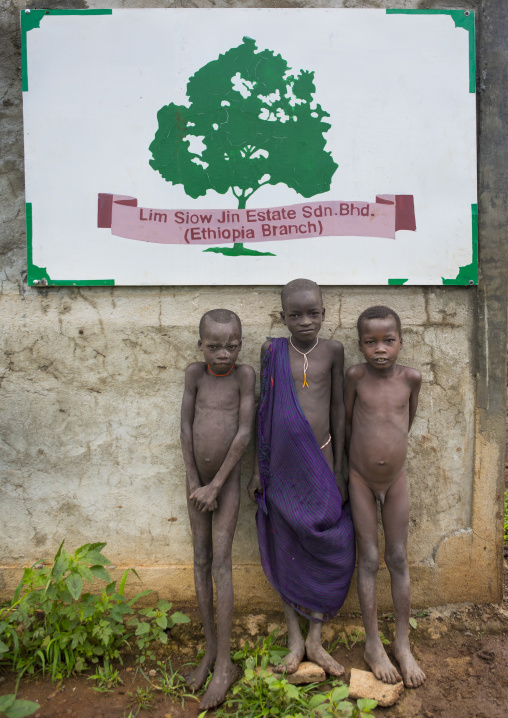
(395, 513)
(296, 643)
(363, 507)
(316, 652)
(201, 526)
(224, 524)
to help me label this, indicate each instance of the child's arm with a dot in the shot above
(255, 485)
(205, 497)
(188, 408)
(337, 417)
(349, 401)
(415, 379)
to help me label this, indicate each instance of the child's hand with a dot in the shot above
(254, 486)
(204, 498)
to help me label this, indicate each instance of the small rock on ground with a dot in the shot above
(307, 672)
(364, 684)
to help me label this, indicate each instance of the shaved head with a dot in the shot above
(299, 285)
(221, 316)
(378, 312)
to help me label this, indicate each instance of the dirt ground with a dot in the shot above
(463, 649)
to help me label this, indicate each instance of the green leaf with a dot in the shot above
(74, 583)
(345, 707)
(164, 605)
(339, 693)
(3, 647)
(162, 621)
(20, 709)
(292, 691)
(6, 701)
(163, 637)
(366, 704)
(138, 596)
(142, 629)
(60, 567)
(57, 555)
(316, 701)
(95, 557)
(249, 674)
(413, 622)
(100, 572)
(86, 573)
(178, 617)
(124, 579)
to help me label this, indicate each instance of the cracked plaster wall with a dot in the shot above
(90, 389)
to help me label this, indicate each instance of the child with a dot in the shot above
(306, 538)
(217, 420)
(381, 397)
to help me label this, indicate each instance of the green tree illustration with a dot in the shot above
(250, 121)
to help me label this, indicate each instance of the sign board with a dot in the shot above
(249, 146)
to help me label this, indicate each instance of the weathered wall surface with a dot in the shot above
(91, 382)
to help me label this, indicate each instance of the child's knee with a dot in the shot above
(368, 560)
(396, 559)
(202, 557)
(221, 565)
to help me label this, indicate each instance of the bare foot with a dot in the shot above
(411, 672)
(198, 676)
(317, 654)
(222, 680)
(380, 664)
(293, 659)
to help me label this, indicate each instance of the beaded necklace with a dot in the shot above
(221, 375)
(305, 360)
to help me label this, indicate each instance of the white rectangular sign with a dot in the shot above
(250, 146)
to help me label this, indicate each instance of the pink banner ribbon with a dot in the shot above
(335, 218)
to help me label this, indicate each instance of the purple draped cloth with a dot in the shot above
(306, 537)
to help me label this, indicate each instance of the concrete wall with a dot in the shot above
(91, 382)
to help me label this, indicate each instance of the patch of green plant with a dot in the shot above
(51, 625)
(348, 641)
(141, 699)
(154, 629)
(171, 683)
(261, 693)
(264, 652)
(11, 707)
(106, 677)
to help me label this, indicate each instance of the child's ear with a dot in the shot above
(200, 345)
(323, 313)
(283, 318)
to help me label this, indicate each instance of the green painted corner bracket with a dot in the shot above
(39, 277)
(468, 274)
(31, 19)
(461, 18)
(396, 282)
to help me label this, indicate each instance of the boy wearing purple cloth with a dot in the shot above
(305, 532)
(381, 399)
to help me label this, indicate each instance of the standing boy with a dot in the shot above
(217, 419)
(305, 536)
(381, 398)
